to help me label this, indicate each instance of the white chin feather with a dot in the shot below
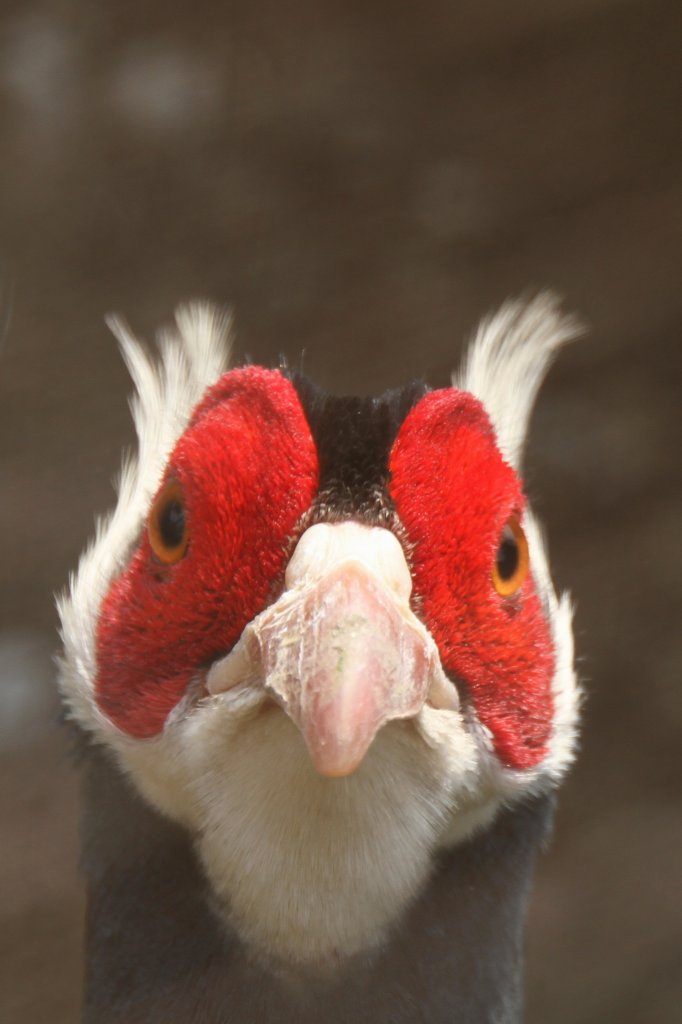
(278, 841)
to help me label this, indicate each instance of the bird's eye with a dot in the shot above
(511, 561)
(167, 528)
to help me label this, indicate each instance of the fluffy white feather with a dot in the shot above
(507, 361)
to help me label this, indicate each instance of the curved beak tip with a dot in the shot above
(341, 651)
(336, 761)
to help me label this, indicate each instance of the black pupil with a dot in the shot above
(172, 524)
(507, 556)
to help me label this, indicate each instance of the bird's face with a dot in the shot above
(329, 647)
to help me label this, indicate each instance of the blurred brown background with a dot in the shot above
(361, 182)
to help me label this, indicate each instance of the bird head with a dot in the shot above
(320, 633)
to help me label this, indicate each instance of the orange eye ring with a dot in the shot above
(167, 525)
(511, 561)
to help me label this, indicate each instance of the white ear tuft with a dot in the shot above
(507, 361)
(193, 356)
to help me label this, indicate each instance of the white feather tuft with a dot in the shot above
(507, 361)
(192, 356)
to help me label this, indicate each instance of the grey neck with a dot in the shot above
(157, 954)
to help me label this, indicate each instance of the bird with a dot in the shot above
(321, 687)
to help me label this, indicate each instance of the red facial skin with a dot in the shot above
(247, 465)
(454, 493)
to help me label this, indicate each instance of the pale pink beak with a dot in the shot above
(341, 651)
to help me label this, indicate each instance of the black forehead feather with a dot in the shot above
(354, 437)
